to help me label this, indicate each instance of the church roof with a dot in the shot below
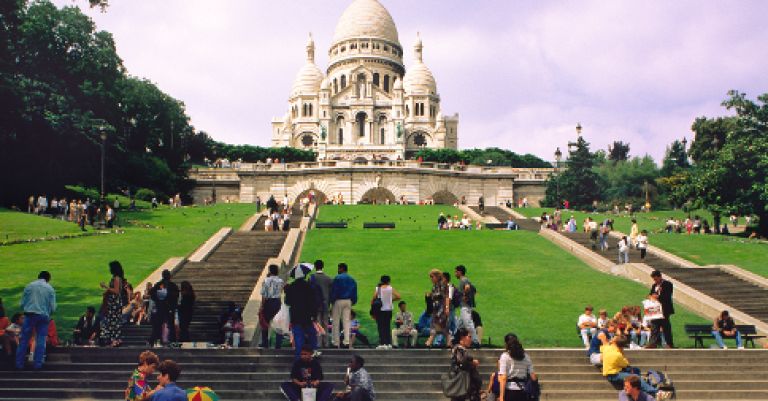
(366, 19)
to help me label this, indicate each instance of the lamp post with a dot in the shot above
(558, 156)
(572, 146)
(103, 136)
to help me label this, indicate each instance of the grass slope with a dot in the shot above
(78, 265)
(525, 284)
(422, 217)
(24, 226)
(701, 249)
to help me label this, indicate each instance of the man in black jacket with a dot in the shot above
(664, 289)
(87, 328)
(300, 296)
(166, 296)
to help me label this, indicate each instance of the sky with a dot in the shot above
(520, 74)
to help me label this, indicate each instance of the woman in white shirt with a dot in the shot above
(623, 250)
(515, 367)
(387, 295)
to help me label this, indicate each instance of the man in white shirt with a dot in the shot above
(654, 315)
(587, 325)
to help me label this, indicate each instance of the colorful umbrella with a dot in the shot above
(301, 270)
(201, 394)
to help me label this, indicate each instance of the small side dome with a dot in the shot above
(308, 80)
(418, 79)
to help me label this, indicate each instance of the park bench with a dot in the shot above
(496, 226)
(701, 331)
(331, 224)
(388, 226)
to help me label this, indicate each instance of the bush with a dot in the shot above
(145, 194)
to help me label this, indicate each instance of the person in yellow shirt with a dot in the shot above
(616, 366)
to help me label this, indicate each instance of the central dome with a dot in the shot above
(366, 19)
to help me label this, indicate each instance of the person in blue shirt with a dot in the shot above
(38, 303)
(343, 297)
(167, 390)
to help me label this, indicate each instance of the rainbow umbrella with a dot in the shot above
(201, 394)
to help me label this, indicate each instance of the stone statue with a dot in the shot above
(322, 132)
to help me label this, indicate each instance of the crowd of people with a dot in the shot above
(464, 223)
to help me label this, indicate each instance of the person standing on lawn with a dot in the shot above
(466, 294)
(38, 303)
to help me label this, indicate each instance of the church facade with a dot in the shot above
(367, 104)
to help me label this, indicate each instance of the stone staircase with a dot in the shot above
(502, 216)
(250, 374)
(714, 282)
(227, 275)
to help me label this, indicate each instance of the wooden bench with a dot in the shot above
(388, 226)
(701, 331)
(331, 224)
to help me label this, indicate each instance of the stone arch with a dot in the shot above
(302, 187)
(378, 195)
(320, 196)
(444, 198)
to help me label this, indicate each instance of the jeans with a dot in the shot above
(299, 332)
(465, 314)
(40, 324)
(644, 385)
(719, 338)
(624, 257)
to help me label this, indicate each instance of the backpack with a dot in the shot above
(456, 298)
(662, 382)
(471, 295)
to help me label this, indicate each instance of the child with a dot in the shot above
(602, 319)
(138, 389)
(355, 334)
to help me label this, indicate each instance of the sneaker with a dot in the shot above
(381, 347)
(741, 347)
(725, 347)
(316, 354)
(389, 346)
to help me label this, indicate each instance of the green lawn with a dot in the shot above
(525, 284)
(422, 217)
(78, 265)
(701, 249)
(16, 226)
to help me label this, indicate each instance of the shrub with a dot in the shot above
(145, 194)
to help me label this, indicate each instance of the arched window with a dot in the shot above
(381, 136)
(419, 140)
(376, 78)
(386, 83)
(360, 120)
(407, 111)
(335, 86)
(340, 124)
(304, 110)
(310, 109)
(343, 81)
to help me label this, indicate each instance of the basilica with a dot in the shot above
(367, 104)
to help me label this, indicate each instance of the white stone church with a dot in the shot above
(366, 104)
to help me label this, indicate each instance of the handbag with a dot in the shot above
(281, 321)
(376, 305)
(455, 382)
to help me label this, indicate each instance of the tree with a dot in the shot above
(619, 151)
(732, 177)
(625, 180)
(675, 159)
(579, 183)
